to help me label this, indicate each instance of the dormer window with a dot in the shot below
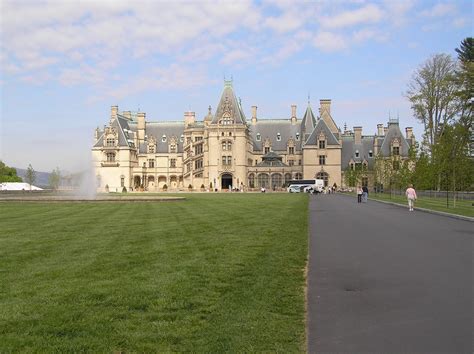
(396, 151)
(322, 144)
(278, 137)
(163, 139)
(110, 141)
(357, 153)
(173, 148)
(151, 149)
(181, 138)
(298, 136)
(371, 153)
(259, 137)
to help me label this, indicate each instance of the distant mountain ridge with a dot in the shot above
(42, 178)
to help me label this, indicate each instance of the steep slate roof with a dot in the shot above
(309, 121)
(120, 124)
(321, 126)
(269, 128)
(349, 148)
(394, 133)
(229, 102)
(158, 129)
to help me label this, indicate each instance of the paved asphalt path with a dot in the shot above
(385, 280)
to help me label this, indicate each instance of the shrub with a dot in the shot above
(190, 187)
(202, 187)
(124, 190)
(165, 187)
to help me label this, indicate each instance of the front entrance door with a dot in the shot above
(226, 181)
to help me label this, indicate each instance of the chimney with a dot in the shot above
(358, 135)
(141, 125)
(380, 129)
(324, 106)
(293, 114)
(113, 113)
(127, 114)
(409, 132)
(189, 118)
(254, 115)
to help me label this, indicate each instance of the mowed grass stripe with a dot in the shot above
(212, 273)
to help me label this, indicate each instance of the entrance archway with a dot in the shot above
(226, 181)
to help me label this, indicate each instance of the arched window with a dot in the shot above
(324, 176)
(263, 180)
(287, 177)
(276, 180)
(251, 180)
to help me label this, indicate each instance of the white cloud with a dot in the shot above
(440, 10)
(329, 42)
(397, 11)
(460, 22)
(365, 15)
(365, 34)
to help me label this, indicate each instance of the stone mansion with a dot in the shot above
(225, 149)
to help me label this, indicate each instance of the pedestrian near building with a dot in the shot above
(359, 194)
(411, 196)
(365, 194)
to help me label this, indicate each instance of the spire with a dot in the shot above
(309, 121)
(229, 110)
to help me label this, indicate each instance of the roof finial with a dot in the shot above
(345, 126)
(210, 110)
(309, 98)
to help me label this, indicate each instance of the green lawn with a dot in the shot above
(463, 207)
(214, 273)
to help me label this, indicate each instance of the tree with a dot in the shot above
(55, 179)
(30, 176)
(432, 93)
(8, 174)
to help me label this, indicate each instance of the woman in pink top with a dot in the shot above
(411, 195)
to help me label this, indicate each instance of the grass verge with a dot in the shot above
(463, 207)
(213, 273)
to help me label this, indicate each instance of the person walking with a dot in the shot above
(365, 194)
(411, 196)
(359, 194)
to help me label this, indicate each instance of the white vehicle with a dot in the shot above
(306, 185)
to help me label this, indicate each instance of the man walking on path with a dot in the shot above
(365, 194)
(359, 194)
(411, 195)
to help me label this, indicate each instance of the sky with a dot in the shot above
(63, 64)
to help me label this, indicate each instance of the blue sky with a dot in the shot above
(64, 63)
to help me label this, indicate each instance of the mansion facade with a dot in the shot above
(226, 150)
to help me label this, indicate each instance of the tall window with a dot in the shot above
(322, 159)
(151, 163)
(227, 160)
(252, 180)
(322, 144)
(198, 164)
(110, 142)
(173, 163)
(110, 157)
(122, 181)
(198, 149)
(396, 150)
(267, 150)
(291, 150)
(198, 138)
